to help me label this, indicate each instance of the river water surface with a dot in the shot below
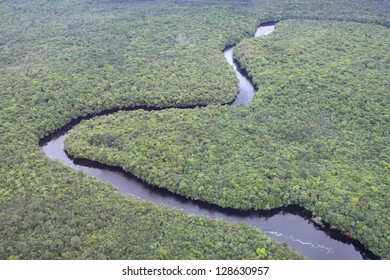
(292, 224)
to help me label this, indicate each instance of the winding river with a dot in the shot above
(290, 224)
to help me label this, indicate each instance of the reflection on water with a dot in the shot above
(289, 224)
(246, 89)
(292, 224)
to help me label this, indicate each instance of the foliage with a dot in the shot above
(60, 60)
(316, 134)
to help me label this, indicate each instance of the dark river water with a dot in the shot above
(292, 224)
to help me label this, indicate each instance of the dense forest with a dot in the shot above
(316, 134)
(315, 137)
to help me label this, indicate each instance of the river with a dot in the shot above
(291, 224)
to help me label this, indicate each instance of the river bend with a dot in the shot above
(291, 224)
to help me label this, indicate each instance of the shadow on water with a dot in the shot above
(291, 224)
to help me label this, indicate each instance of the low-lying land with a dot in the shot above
(316, 134)
(60, 60)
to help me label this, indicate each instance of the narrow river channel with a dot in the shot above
(292, 224)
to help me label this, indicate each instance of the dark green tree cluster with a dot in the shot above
(91, 221)
(316, 135)
(60, 60)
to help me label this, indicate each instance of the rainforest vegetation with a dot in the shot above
(316, 135)
(326, 150)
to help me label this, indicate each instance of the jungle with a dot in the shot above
(316, 135)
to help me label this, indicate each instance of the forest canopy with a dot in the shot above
(60, 60)
(316, 134)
